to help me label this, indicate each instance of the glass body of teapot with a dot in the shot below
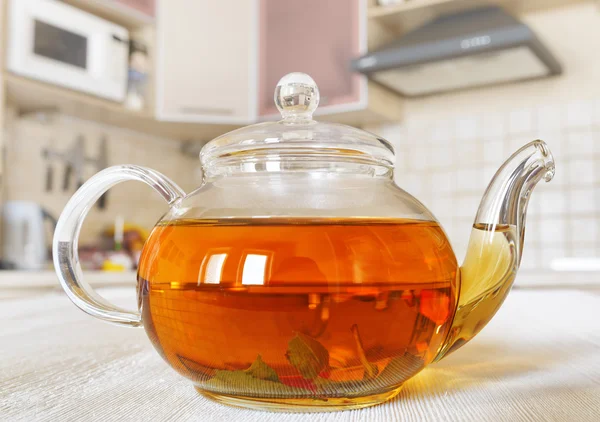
(299, 276)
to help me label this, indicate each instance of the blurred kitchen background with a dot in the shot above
(455, 85)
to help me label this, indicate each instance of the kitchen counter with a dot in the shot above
(48, 278)
(539, 359)
(16, 284)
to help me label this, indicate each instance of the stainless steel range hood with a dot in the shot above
(474, 48)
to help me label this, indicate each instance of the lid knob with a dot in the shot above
(296, 96)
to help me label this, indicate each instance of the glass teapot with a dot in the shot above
(299, 276)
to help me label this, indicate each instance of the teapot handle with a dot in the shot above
(66, 238)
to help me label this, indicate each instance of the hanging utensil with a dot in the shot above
(102, 163)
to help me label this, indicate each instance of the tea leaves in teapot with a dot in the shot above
(243, 383)
(307, 355)
(396, 372)
(401, 368)
(258, 380)
(371, 369)
(259, 369)
(311, 359)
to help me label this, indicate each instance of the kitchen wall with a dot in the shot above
(449, 146)
(26, 169)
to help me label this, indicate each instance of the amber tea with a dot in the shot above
(296, 307)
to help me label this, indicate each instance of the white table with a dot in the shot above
(539, 359)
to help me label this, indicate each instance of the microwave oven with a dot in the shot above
(59, 44)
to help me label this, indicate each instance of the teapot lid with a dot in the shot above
(297, 135)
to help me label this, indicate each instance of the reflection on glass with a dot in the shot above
(214, 269)
(273, 166)
(249, 167)
(254, 269)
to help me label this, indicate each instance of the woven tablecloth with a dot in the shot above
(539, 359)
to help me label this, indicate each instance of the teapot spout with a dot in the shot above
(496, 242)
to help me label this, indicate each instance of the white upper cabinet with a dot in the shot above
(206, 61)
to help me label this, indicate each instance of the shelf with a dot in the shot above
(404, 17)
(114, 12)
(31, 96)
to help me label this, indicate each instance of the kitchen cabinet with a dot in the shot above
(319, 38)
(143, 6)
(206, 61)
(203, 79)
(315, 37)
(132, 14)
(219, 62)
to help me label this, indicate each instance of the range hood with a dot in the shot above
(474, 48)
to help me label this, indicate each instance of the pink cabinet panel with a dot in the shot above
(147, 7)
(315, 37)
